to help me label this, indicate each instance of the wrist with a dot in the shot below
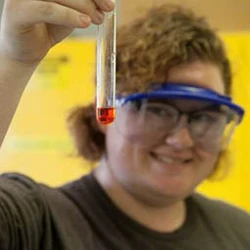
(12, 70)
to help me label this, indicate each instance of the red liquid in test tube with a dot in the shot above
(106, 115)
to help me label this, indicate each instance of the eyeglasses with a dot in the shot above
(146, 122)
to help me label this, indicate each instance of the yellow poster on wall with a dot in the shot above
(38, 143)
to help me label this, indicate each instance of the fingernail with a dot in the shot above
(111, 3)
(85, 20)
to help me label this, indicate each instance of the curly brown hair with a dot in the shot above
(167, 36)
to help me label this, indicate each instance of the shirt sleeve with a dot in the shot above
(20, 213)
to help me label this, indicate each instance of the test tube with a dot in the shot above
(106, 69)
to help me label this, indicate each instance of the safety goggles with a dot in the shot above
(148, 118)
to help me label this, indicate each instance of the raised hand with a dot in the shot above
(29, 28)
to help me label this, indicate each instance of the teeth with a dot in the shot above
(167, 160)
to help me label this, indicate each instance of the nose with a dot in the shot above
(180, 137)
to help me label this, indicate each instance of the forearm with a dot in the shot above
(13, 79)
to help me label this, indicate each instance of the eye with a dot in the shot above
(201, 117)
(161, 110)
(209, 117)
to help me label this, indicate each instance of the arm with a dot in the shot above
(21, 212)
(29, 29)
(13, 79)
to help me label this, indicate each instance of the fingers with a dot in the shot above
(92, 8)
(69, 13)
(49, 12)
(105, 5)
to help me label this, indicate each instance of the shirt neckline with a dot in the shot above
(130, 224)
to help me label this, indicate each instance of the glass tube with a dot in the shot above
(106, 69)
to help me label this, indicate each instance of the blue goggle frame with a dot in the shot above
(183, 91)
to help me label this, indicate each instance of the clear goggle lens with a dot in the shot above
(147, 122)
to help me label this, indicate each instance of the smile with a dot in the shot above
(169, 160)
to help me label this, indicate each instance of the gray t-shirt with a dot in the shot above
(81, 216)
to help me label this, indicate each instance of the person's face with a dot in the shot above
(172, 168)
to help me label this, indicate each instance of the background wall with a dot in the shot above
(226, 15)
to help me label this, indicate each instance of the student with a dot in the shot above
(174, 120)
